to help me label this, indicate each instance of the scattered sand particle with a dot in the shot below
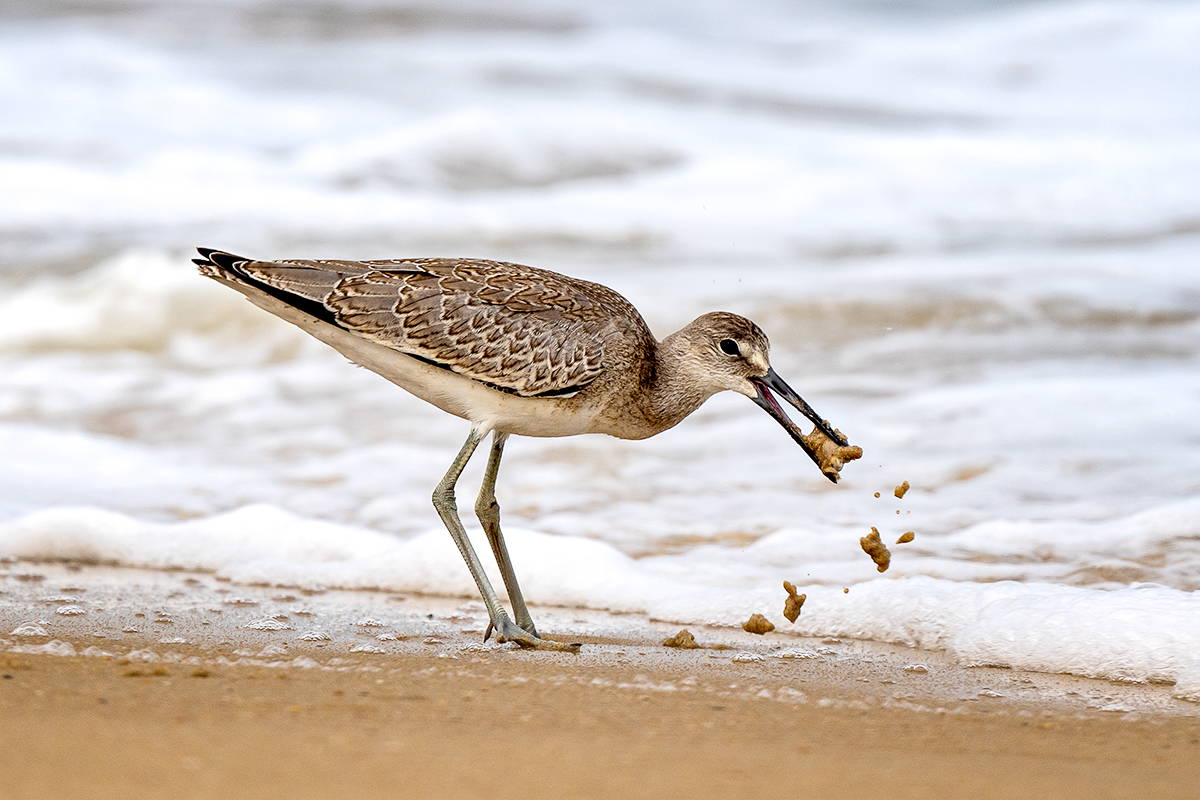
(758, 624)
(791, 606)
(901, 489)
(876, 549)
(831, 456)
(906, 537)
(877, 494)
(845, 590)
(683, 640)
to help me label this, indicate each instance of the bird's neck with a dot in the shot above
(664, 392)
(676, 389)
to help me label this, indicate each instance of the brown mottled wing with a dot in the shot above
(521, 329)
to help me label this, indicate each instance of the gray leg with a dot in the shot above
(443, 501)
(488, 511)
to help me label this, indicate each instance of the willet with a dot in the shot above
(518, 350)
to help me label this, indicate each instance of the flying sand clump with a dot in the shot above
(876, 549)
(791, 606)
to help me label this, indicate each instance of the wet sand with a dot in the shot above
(187, 701)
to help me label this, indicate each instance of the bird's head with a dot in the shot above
(733, 353)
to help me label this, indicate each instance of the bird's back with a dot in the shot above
(518, 329)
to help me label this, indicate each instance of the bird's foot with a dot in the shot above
(526, 626)
(508, 631)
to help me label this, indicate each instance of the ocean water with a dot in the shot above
(972, 232)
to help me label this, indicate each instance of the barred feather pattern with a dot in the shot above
(520, 329)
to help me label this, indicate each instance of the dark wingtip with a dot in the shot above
(217, 258)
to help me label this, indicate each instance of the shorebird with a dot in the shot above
(519, 350)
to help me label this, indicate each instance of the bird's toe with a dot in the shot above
(507, 631)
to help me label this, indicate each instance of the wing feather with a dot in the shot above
(519, 329)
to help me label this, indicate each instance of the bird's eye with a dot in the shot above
(730, 348)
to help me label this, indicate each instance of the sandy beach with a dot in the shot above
(403, 699)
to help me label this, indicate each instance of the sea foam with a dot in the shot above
(1137, 633)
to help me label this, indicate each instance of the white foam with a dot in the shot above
(141, 300)
(248, 534)
(51, 648)
(1140, 633)
(1187, 683)
(29, 629)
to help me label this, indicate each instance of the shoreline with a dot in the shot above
(403, 693)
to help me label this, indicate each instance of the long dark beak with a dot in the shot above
(767, 401)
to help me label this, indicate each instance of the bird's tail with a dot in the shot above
(217, 263)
